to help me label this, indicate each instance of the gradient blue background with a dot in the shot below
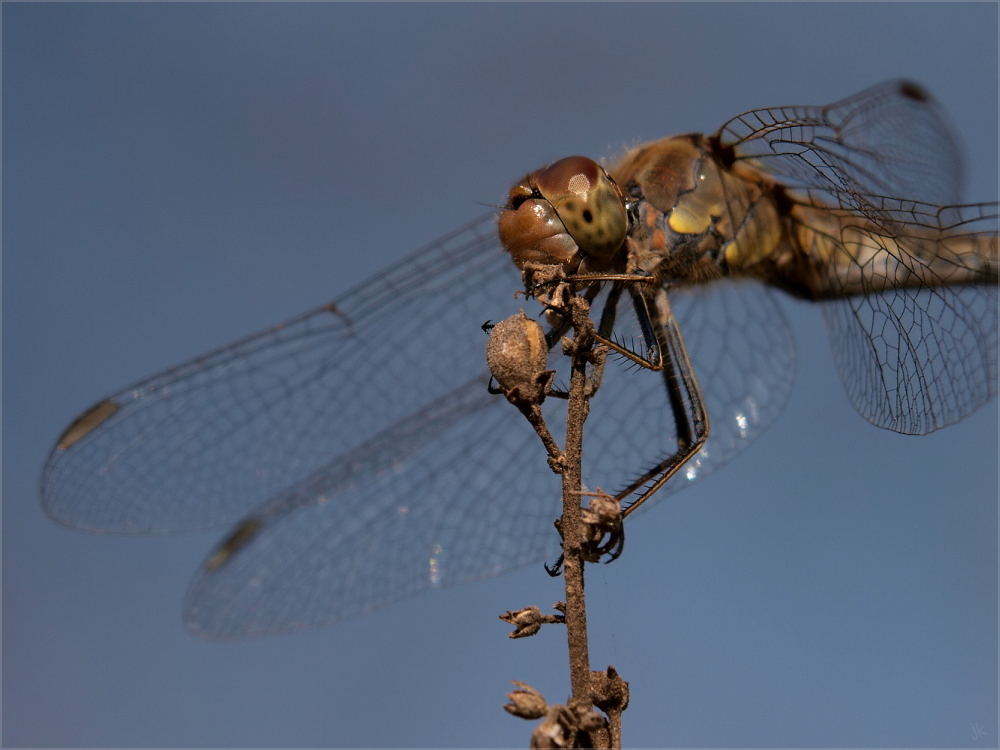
(176, 176)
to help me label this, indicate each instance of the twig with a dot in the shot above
(570, 524)
(516, 353)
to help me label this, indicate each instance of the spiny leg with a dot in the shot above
(686, 401)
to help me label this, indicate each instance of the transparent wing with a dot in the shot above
(417, 513)
(889, 140)
(207, 442)
(920, 357)
(411, 512)
(914, 351)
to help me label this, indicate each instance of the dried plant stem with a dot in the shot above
(516, 355)
(571, 527)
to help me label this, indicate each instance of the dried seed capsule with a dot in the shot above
(516, 354)
(526, 702)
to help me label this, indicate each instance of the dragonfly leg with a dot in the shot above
(686, 402)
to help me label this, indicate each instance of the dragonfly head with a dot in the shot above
(564, 213)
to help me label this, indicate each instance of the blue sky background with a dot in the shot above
(176, 176)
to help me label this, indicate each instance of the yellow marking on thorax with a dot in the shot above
(698, 208)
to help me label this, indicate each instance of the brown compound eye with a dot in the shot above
(531, 231)
(588, 203)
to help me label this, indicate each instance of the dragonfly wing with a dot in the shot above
(892, 140)
(408, 513)
(914, 361)
(917, 358)
(209, 441)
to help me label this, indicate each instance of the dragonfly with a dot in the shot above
(357, 454)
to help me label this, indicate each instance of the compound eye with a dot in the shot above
(588, 203)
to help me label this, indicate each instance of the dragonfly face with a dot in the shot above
(357, 456)
(570, 213)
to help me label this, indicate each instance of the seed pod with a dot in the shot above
(526, 702)
(516, 354)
